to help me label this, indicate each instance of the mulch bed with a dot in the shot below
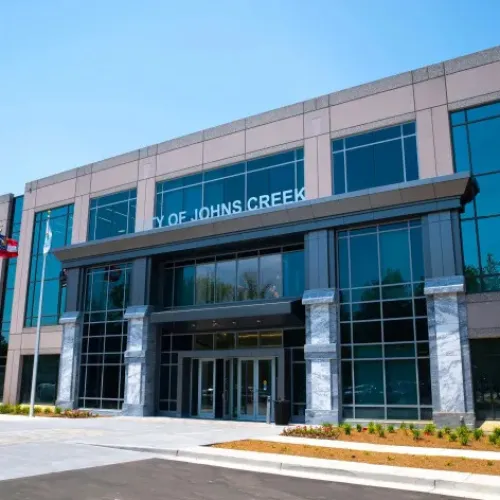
(457, 464)
(398, 438)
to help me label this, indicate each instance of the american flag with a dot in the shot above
(8, 247)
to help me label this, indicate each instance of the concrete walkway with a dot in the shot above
(381, 448)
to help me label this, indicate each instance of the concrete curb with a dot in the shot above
(458, 484)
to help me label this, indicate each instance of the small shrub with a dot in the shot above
(464, 439)
(403, 426)
(47, 411)
(78, 414)
(359, 427)
(416, 434)
(57, 410)
(381, 432)
(347, 429)
(411, 427)
(390, 429)
(463, 430)
(430, 429)
(446, 429)
(37, 410)
(371, 428)
(378, 427)
(18, 409)
(326, 425)
(496, 432)
(440, 434)
(492, 439)
(452, 436)
(478, 434)
(6, 409)
(489, 463)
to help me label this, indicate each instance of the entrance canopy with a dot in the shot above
(255, 315)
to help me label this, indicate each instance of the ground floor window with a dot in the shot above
(104, 338)
(46, 380)
(383, 323)
(485, 354)
(3, 365)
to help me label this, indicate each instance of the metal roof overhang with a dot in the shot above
(393, 201)
(251, 315)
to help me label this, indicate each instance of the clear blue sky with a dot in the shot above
(83, 80)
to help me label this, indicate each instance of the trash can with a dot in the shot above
(282, 410)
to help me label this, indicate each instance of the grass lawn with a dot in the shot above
(457, 464)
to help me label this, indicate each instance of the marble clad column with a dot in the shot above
(451, 373)
(321, 353)
(140, 358)
(69, 360)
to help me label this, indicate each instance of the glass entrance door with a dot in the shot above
(206, 391)
(256, 382)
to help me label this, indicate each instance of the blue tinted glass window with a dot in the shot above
(409, 128)
(482, 112)
(61, 224)
(411, 158)
(104, 337)
(384, 332)
(112, 215)
(487, 202)
(293, 274)
(378, 158)
(7, 297)
(485, 145)
(458, 118)
(476, 146)
(338, 173)
(184, 286)
(338, 145)
(230, 190)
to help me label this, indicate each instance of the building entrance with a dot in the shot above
(233, 388)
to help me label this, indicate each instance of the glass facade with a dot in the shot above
(112, 215)
(54, 296)
(249, 185)
(104, 339)
(476, 148)
(378, 158)
(46, 380)
(383, 323)
(172, 343)
(263, 274)
(8, 291)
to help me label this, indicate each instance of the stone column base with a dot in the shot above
(138, 410)
(442, 419)
(317, 417)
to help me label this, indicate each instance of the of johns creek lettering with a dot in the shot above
(232, 207)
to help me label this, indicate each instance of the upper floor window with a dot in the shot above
(378, 158)
(476, 147)
(264, 274)
(54, 297)
(112, 215)
(249, 185)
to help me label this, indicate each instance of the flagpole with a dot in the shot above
(39, 321)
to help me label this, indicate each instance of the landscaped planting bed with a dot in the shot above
(403, 435)
(47, 411)
(457, 464)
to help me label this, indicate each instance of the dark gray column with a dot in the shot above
(322, 357)
(319, 249)
(69, 360)
(140, 360)
(451, 371)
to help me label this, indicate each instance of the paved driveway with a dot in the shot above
(43, 445)
(163, 480)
